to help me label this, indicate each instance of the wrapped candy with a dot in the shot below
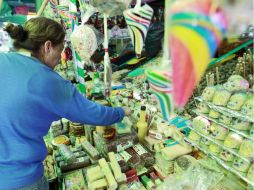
(250, 174)
(221, 97)
(214, 148)
(227, 156)
(203, 108)
(208, 93)
(85, 40)
(225, 119)
(194, 136)
(214, 114)
(248, 107)
(246, 149)
(236, 101)
(204, 142)
(241, 165)
(236, 83)
(233, 140)
(218, 132)
(241, 125)
(201, 124)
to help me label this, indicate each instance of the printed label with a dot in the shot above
(139, 149)
(118, 157)
(125, 155)
(123, 146)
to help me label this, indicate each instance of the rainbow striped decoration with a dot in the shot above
(66, 15)
(160, 83)
(138, 20)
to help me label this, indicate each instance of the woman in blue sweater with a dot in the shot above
(32, 96)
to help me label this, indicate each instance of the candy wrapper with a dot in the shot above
(233, 140)
(248, 107)
(241, 165)
(236, 83)
(218, 132)
(202, 125)
(221, 97)
(246, 149)
(85, 40)
(208, 93)
(236, 101)
(241, 124)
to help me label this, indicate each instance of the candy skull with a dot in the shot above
(204, 142)
(241, 125)
(236, 83)
(233, 140)
(214, 114)
(241, 165)
(246, 149)
(194, 136)
(248, 107)
(208, 93)
(215, 148)
(236, 101)
(225, 119)
(221, 97)
(250, 174)
(203, 108)
(227, 156)
(201, 124)
(218, 132)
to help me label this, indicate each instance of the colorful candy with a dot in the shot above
(138, 20)
(161, 85)
(195, 31)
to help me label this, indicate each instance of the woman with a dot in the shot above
(32, 97)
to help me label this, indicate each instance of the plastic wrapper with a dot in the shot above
(233, 140)
(241, 124)
(132, 158)
(236, 101)
(196, 177)
(221, 97)
(204, 142)
(85, 40)
(111, 7)
(76, 129)
(202, 125)
(250, 174)
(203, 108)
(66, 154)
(218, 132)
(183, 163)
(224, 119)
(193, 136)
(214, 114)
(247, 149)
(145, 156)
(74, 180)
(208, 93)
(248, 107)
(214, 148)
(80, 162)
(236, 83)
(227, 156)
(240, 165)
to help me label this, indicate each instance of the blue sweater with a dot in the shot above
(32, 96)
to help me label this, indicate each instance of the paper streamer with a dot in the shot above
(138, 20)
(196, 28)
(161, 85)
(80, 72)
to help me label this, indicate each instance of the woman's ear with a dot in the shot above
(47, 46)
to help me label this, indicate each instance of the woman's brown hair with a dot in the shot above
(35, 33)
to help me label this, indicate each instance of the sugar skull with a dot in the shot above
(241, 125)
(204, 142)
(203, 108)
(236, 83)
(221, 97)
(233, 140)
(241, 165)
(214, 114)
(248, 107)
(214, 148)
(236, 101)
(250, 174)
(227, 156)
(208, 93)
(246, 149)
(225, 119)
(194, 136)
(201, 124)
(218, 132)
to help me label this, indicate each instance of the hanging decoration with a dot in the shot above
(138, 20)
(196, 27)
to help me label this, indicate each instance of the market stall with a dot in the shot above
(190, 92)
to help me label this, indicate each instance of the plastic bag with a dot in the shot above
(85, 40)
(196, 177)
(111, 7)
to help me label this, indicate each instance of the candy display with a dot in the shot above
(202, 125)
(208, 93)
(236, 101)
(236, 83)
(248, 107)
(241, 125)
(218, 132)
(221, 97)
(241, 165)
